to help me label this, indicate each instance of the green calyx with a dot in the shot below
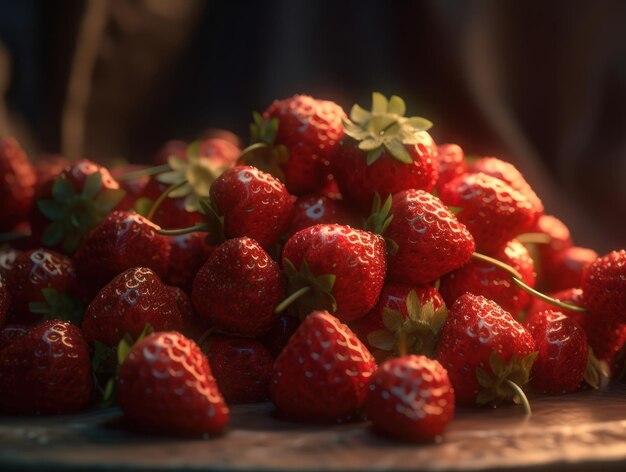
(596, 372)
(74, 214)
(418, 333)
(380, 219)
(58, 306)
(308, 292)
(497, 386)
(385, 128)
(263, 153)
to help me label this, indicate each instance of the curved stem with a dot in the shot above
(178, 232)
(252, 148)
(141, 172)
(521, 395)
(437, 284)
(290, 299)
(157, 203)
(534, 238)
(546, 298)
(497, 263)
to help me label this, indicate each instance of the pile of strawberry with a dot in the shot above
(343, 268)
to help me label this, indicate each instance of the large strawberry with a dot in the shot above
(237, 289)
(491, 209)
(46, 370)
(336, 268)
(452, 163)
(410, 398)
(165, 385)
(384, 152)
(17, 183)
(132, 299)
(312, 210)
(323, 372)
(487, 353)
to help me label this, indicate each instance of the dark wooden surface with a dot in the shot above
(582, 431)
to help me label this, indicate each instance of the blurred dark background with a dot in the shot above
(541, 84)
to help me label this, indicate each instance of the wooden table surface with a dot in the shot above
(582, 431)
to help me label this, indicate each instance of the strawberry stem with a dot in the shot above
(141, 172)
(252, 148)
(290, 299)
(157, 203)
(402, 345)
(534, 238)
(505, 267)
(178, 232)
(521, 396)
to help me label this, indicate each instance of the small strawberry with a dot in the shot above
(12, 332)
(566, 267)
(318, 209)
(126, 304)
(242, 368)
(278, 335)
(410, 398)
(336, 268)
(188, 253)
(323, 372)
(487, 353)
(47, 370)
(570, 295)
(17, 183)
(5, 299)
(237, 289)
(451, 160)
(165, 384)
(493, 211)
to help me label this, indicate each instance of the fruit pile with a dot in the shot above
(342, 267)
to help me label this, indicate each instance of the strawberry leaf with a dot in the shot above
(62, 190)
(93, 185)
(51, 209)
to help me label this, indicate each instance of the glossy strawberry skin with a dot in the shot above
(565, 269)
(47, 370)
(491, 210)
(165, 385)
(121, 241)
(475, 328)
(560, 237)
(323, 372)
(253, 204)
(133, 298)
(482, 278)
(188, 253)
(17, 183)
(563, 352)
(355, 257)
(431, 242)
(242, 368)
(451, 160)
(310, 210)
(237, 289)
(410, 398)
(311, 130)
(192, 327)
(570, 295)
(604, 287)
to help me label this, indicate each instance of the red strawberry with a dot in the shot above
(192, 326)
(558, 234)
(134, 188)
(483, 278)
(410, 398)
(8, 255)
(413, 314)
(492, 211)
(126, 304)
(17, 182)
(171, 213)
(484, 348)
(343, 267)
(323, 372)
(565, 269)
(451, 160)
(242, 368)
(189, 252)
(48, 168)
(384, 152)
(165, 384)
(5, 299)
(173, 147)
(47, 370)
(121, 241)
(237, 289)
(563, 352)
(10, 333)
(570, 295)
(278, 335)
(317, 209)
(604, 288)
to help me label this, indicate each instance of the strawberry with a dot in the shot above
(311, 210)
(604, 288)
(383, 152)
(563, 352)
(17, 183)
(410, 398)
(47, 370)
(134, 187)
(242, 368)
(165, 384)
(121, 241)
(558, 234)
(570, 295)
(5, 299)
(336, 268)
(451, 159)
(297, 136)
(237, 289)
(12, 332)
(48, 168)
(192, 325)
(412, 315)
(483, 278)
(173, 147)
(135, 297)
(565, 268)
(171, 213)
(188, 253)
(492, 210)
(323, 372)
(279, 333)
(487, 353)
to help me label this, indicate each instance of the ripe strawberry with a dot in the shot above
(242, 368)
(493, 211)
(192, 325)
(11, 333)
(318, 209)
(451, 160)
(278, 335)
(570, 295)
(126, 304)
(165, 384)
(17, 182)
(5, 299)
(384, 152)
(323, 372)
(604, 288)
(566, 267)
(188, 253)
(343, 267)
(484, 348)
(121, 241)
(301, 133)
(558, 234)
(171, 213)
(409, 314)
(563, 352)
(47, 370)
(134, 188)
(237, 289)
(483, 278)
(410, 398)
